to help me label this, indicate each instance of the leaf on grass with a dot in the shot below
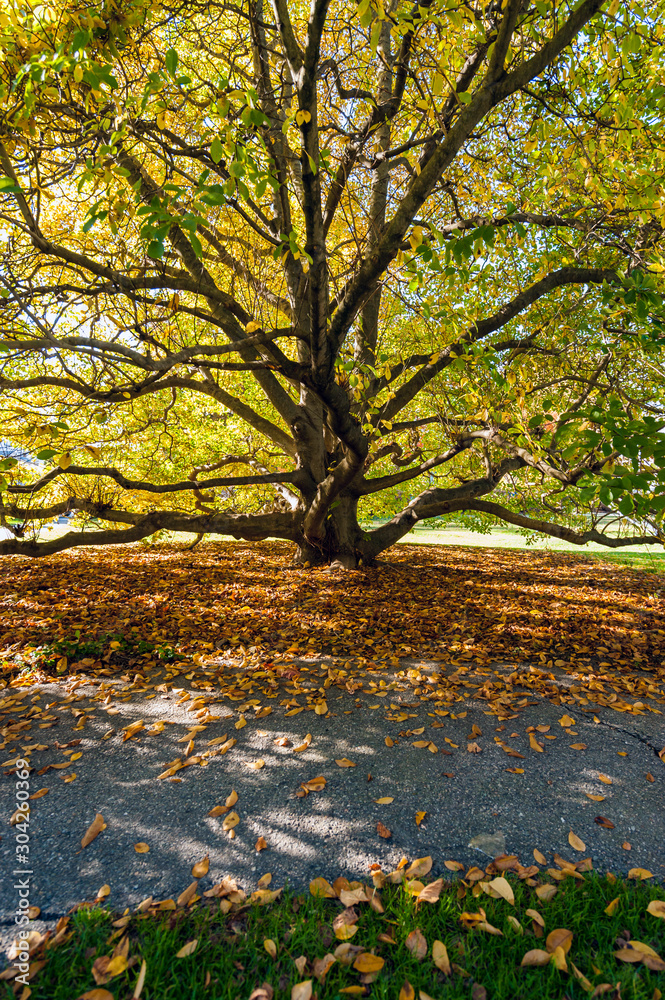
(343, 932)
(407, 992)
(612, 907)
(367, 962)
(321, 888)
(188, 894)
(559, 938)
(536, 916)
(536, 957)
(383, 831)
(657, 908)
(93, 830)
(500, 888)
(187, 949)
(96, 994)
(321, 966)
(417, 944)
(302, 991)
(575, 842)
(431, 892)
(640, 873)
(270, 947)
(440, 957)
(546, 892)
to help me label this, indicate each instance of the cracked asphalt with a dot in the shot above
(475, 805)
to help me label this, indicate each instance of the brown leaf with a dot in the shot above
(230, 821)
(367, 962)
(407, 992)
(478, 992)
(302, 991)
(559, 938)
(539, 856)
(604, 822)
(383, 831)
(536, 957)
(141, 848)
(420, 867)
(93, 830)
(201, 867)
(417, 944)
(322, 888)
(321, 966)
(431, 892)
(345, 762)
(260, 844)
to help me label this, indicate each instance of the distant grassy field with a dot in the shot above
(637, 557)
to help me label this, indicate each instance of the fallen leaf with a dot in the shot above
(201, 867)
(385, 800)
(626, 846)
(321, 966)
(407, 992)
(612, 907)
(187, 949)
(536, 957)
(422, 866)
(389, 741)
(454, 866)
(603, 821)
(270, 947)
(539, 856)
(575, 842)
(578, 746)
(657, 908)
(302, 991)
(39, 795)
(96, 994)
(595, 798)
(534, 744)
(383, 831)
(546, 892)
(500, 888)
(420, 816)
(440, 957)
(93, 830)
(559, 938)
(649, 776)
(417, 944)
(256, 765)
(606, 780)
(320, 887)
(260, 844)
(345, 762)
(141, 848)
(230, 820)
(536, 916)
(640, 873)
(566, 720)
(474, 748)
(431, 892)
(367, 962)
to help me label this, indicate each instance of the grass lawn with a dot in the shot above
(285, 946)
(645, 557)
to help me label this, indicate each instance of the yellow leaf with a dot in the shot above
(534, 744)
(140, 981)
(575, 842)
(389, 742)
(256, 765)
(302, 991)
(201, 867)
(321, 708)
(640, 873)
(546, 892)
(559, 938)
(566, 721)
(345, 762)
(368, 962)
(420, 816)
(322, 888)
(187, 949)
(252, 326)
(230, 821)
(261, 844)
(65, 460)
(407, 992)
(232, 798)
(605, 779)
(345, 931)
(141, 848)
(595, 798)
(657, 908)
(500, 888)
(454, 866)
(270, 947)
(440, 957)
(611, 907)
(386, 800)
(93, 830)
(558, 960)
(242, 721)
(422, 866)
(539, 856)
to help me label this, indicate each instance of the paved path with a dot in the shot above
(475, 806)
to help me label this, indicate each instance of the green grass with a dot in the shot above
(231, 954)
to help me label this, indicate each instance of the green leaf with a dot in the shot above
(171, 61)
(216, 150)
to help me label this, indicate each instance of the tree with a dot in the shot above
(270, 271)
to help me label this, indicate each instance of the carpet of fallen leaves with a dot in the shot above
(545, 614)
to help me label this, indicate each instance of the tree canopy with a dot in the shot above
(274, 270)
